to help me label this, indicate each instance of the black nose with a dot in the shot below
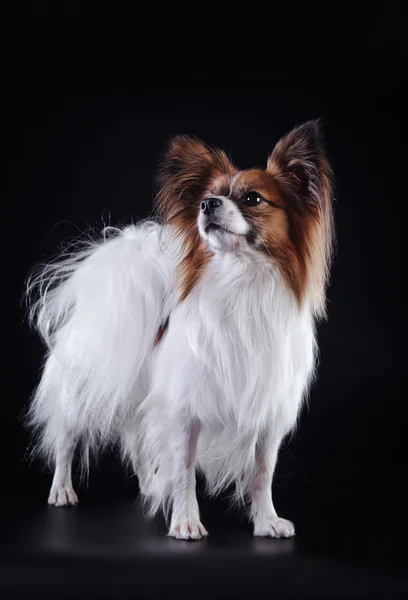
(208, 206)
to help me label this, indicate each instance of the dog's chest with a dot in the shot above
(236, 342)
(240, 305)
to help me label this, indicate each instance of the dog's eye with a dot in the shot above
(252, 199)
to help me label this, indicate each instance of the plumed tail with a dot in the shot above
(98, 309)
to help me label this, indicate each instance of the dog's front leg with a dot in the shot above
(185, 520)
(263, 513)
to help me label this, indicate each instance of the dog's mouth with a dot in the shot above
(217, 227)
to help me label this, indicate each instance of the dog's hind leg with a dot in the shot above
(62, 492)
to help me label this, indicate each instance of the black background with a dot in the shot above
(87, 113)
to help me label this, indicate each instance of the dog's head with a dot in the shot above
(282, 211)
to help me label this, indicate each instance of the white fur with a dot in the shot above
(220, 391)
(98, 312)
(237, 359)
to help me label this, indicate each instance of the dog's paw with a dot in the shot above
(187, 529)
(62, 495)
(274, 527)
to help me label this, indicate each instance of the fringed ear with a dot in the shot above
(299, 163)
(300, 166)
(187, 168)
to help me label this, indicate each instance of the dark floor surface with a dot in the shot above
(104, 548)
(336, 479)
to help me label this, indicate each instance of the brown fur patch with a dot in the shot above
(303, 173)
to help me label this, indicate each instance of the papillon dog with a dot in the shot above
(189, 339)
